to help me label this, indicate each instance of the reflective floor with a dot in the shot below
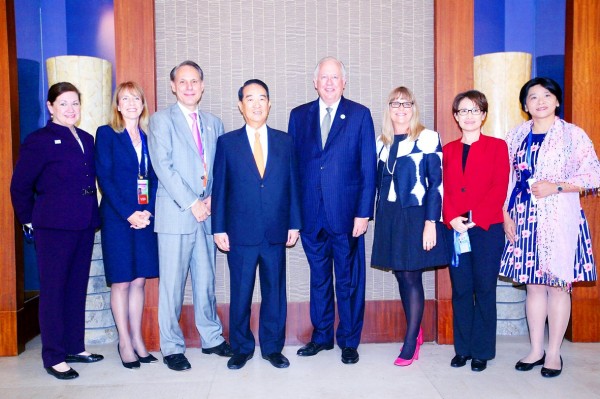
(322, 376)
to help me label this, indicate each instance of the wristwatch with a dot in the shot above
(559, 188)
(432, 221)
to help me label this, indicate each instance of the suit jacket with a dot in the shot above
(117, 168)
(343, 172)
(53, 184)
(180, 169)
(417, 173)
(482, 187)
(250, 208)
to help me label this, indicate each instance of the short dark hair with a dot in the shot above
(59, 88)
(252, 82)
(549, 84)
(474, 95)
(186, 63)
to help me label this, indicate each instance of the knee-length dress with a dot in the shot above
(398, 238)
(520, 260)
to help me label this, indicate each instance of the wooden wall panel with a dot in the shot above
(11, 276)
(582, 55)
(454, 51)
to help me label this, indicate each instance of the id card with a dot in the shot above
(142, 191)
(464, 244)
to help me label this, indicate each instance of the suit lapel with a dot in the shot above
(339, 121)
(245, 151)
(273, 152)
(313, 121)
(125, 141)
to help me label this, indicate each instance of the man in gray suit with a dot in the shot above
(182, 140)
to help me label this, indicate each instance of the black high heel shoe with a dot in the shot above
(522, 366)
(128, 365)
(549, 373)
(146, 359)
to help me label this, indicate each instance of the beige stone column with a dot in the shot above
(500, 77)
(93, 78)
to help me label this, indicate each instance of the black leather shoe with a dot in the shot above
(62, 375)
(349, 356)
(91, 358)
(550, 373)
(223, 349)
(459, 360)
(146, 359)
(177, 362)
(312, 348)
(128, 365)
(478, 364)
(522, 366)
(238, 361)
(277, 360)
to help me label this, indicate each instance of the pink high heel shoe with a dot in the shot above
(403, 362)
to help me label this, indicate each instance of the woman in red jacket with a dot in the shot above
(475, 181)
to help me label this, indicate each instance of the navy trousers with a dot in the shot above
(474, 293)
(327, 253)
(64, 258)
(243, 260)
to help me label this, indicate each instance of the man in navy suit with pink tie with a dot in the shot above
(334, 140)
(255, 215)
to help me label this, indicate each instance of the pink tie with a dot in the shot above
(196, 132)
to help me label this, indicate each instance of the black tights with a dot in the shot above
(413, 301)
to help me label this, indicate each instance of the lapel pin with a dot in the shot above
(57, 141)
(342, 116)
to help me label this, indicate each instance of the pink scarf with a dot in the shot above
(565, 156)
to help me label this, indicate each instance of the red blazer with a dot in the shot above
(482, 187)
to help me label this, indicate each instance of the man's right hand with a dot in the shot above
(200, 211)
(222, 241)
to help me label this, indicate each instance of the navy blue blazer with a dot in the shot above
(344, 172)
(117, 169)
(54, 182)
(250, 208)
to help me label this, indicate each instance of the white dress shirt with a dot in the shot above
(323, 111)
(264, 142)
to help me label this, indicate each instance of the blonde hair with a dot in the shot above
(415, 127)
(116, 119)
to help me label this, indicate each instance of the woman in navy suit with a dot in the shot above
(53, 192)
(129, 244)
(475, 183)
(408, 235)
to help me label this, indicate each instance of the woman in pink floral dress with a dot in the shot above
(549, 245)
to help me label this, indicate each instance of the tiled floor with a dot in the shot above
(322, 376)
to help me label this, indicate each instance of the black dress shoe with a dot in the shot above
(62, 375)
(459, 360)
(478, 364)
(128, 365)
(91, 358)
(522, 366)
(549, 373)
(238, 361)
(312, 348)
(223, 349)
(146, 359)
(177, 362)
(349, 356)
(277, 360)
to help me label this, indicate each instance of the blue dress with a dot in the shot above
(520, 260)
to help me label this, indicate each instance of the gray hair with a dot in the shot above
(186, 63)
(330, 58)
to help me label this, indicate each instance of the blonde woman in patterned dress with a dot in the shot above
(549, 245)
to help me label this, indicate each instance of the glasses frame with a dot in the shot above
(465, 111)
(403, 104)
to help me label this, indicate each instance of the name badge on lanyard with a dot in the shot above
(143, 189)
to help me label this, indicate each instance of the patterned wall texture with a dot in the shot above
(383, 43)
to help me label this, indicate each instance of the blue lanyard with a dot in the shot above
(143, 165)
(529, 141)
(456, 252)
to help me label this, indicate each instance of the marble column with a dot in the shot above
(500, 77)
(93, 77)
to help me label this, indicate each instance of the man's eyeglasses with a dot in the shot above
(464, 111)
(405, 104)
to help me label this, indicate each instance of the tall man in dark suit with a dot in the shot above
(256, 213)
(182, 141)
(334, 140)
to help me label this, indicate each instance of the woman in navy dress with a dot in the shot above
(129, 245)
(408, 235)
(549, 245)
(53, 192)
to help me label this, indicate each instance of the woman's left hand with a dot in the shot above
(429, 236)
(543, 189)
